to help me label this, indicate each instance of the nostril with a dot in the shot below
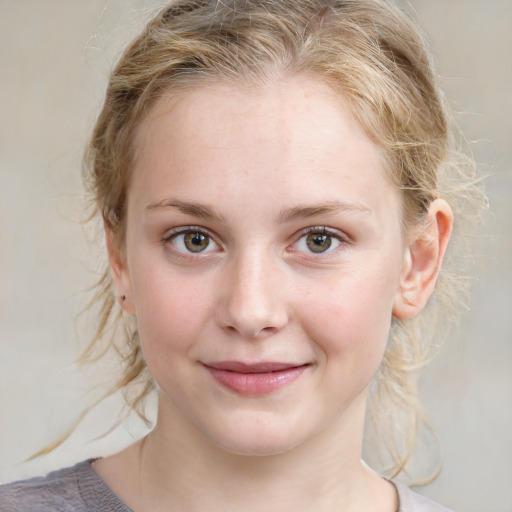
(251, 333)
(268, 330)
(251, 326)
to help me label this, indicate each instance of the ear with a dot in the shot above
(119, 270)
(422, 260)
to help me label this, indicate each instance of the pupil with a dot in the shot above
(196, 242)
(319, 243)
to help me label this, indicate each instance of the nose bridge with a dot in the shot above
(254, 302)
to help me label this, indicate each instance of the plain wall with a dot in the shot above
(54, 62)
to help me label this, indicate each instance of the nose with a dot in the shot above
(253, 297)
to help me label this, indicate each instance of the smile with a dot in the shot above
(254, 379)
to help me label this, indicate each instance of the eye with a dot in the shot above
(192, 240)
(318, 240)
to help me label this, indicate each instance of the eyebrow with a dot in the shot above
(196, 209)
(328, 208)
(205, 211)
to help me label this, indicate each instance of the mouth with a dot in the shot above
(254, 379)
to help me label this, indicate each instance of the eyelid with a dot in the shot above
(342, 237)
(183, 230)
(170, 233)
(336, 233)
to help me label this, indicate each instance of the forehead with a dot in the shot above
(295, 138)
(285, 112)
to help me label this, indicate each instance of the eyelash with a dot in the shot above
(340, 237)
(172, 235)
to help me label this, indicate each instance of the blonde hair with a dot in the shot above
(373, 55)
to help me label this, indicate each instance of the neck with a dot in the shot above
(175, 464)
(241, 482)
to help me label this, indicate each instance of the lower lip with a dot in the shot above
(255, 384)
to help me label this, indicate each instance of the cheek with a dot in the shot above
(170, 314)
(350, 319)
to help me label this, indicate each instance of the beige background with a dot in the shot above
(54, 61)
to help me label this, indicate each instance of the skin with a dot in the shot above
(252, 171)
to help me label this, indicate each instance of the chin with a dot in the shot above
(258, 448)
(257, 442)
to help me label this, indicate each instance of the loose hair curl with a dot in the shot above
(373, 55)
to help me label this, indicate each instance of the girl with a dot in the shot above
(274, 180)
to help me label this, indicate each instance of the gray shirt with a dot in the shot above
(80, 489)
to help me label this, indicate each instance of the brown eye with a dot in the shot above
(317, 242)
(196, 242)
(192, 242)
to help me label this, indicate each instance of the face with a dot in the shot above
(262, 261)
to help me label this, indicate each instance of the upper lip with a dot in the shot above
(262, 367)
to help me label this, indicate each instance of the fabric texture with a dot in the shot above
(80, 489)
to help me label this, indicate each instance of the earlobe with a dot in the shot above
(119, 270)
(422, 260)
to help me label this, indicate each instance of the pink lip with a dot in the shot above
(254, 379)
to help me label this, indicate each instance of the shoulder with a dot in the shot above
(58, 490)
(409, 501)
(74, 489)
